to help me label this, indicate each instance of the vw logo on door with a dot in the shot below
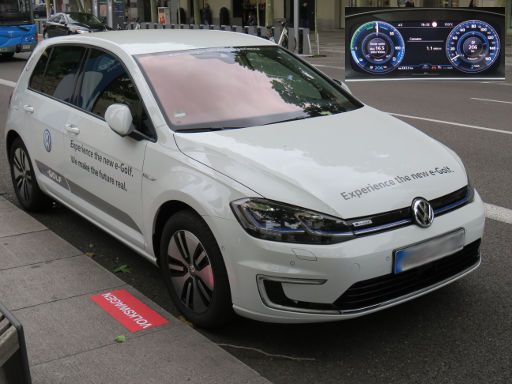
(422, 212)
(47, 140)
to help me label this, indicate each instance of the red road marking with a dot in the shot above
(132, 313)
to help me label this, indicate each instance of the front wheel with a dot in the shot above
(194, 271)
(24, 180)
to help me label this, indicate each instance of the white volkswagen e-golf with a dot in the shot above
(256, 183)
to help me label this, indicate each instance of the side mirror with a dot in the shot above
(119, 118)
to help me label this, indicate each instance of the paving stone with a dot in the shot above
(53, 280)
(178, 354)
(75, 325)
(32, 248)
(14, 221)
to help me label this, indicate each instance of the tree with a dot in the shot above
(197, 14)
(269, 13)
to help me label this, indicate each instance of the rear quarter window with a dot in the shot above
(36, 80)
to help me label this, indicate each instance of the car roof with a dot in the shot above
(142, 41)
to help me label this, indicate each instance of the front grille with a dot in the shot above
(381, 289)
(401, 217)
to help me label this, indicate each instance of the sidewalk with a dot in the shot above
(48, 284)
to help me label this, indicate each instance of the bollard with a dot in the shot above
(250, 30)
(14, 368)
(304, 42)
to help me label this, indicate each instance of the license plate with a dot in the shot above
(427, 251)
(25, 47)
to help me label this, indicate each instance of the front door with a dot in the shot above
(105, 169)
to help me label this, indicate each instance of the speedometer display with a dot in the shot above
(473, 46)
(424, 43)
(377, 47)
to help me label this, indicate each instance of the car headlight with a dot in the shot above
(82, 31)
(270, 220)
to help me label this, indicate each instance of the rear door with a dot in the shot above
(46, 107)
(105, 169)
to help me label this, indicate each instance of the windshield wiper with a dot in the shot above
(287, 120)
(194, 130)
(208, 129)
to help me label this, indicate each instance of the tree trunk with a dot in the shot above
(197, 14)
(269, 13)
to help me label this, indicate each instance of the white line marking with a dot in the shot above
(452, 123)
(7, 83)
(327, 66)
(498, 213)
(494, 101)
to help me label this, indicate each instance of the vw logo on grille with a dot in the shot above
(422, 212)
(47, 140)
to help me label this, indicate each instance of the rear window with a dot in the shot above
(239, 87)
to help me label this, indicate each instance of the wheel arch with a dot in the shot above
(11, 136)
(164, 212)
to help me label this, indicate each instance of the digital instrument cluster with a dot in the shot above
(424, 43)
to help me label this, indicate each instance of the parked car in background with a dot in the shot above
(72, 23)
(39, 11)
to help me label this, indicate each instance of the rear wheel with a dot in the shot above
(24, 180)
(194, 271)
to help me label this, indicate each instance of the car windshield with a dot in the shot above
(83, 18)
(15, 12)
(239, 87)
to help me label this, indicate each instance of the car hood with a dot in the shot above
(352, 164)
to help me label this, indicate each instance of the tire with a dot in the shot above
(7, 55)
(24, 180)
(194, 272)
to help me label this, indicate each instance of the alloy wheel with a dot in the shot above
(191, 271)
(22, 174)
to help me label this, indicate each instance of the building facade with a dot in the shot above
(330, 13)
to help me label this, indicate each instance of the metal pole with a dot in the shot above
(179, 14)
(258, 12)
(316, 28)
(296, 24)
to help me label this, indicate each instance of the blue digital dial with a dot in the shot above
(377, 47)
(473, 46)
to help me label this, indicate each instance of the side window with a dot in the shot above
(36, 81)
(60, 76)
(105, 82)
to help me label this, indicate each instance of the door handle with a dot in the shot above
(28, 108)
(72, 129)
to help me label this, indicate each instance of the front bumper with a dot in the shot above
(314, 278)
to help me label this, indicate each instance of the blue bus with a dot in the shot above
(18, 33)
